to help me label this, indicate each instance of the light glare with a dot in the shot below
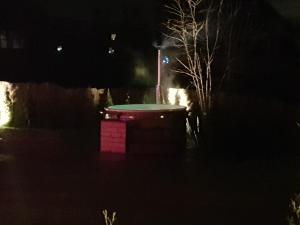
(166, 60)
(5, 114)
(59, 48)
(178, 96)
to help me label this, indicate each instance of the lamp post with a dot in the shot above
(158, 89)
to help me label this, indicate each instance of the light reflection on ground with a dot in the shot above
(6, 158)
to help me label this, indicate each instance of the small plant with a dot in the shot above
(109, 220)
(294, 211)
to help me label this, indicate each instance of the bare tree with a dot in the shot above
(191, 30)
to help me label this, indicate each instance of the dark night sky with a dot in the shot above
(287, 8)
(141, 17)
(84, 9)
(135, 11)
(87, 9)
(83, 28)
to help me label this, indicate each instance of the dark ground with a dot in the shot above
(53, 177)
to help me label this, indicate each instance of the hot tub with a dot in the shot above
(144, 128)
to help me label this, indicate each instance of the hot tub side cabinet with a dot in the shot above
(148, 136)
(143, 128)
(113, 136)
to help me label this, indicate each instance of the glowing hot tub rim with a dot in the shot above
(145, 107)
(142, 111)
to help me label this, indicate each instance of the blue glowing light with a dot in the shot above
(166, 60)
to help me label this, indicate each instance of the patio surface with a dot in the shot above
(50, 177)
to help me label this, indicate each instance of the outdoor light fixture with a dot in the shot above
(113, 37)
(111, 51)
(59, 48)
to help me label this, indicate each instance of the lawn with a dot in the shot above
(58, 177)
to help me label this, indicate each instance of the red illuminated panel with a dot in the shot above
(113, 136)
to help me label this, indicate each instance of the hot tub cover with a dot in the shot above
(145, 107)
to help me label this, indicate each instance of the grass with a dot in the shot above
(294, 213)
(109, 220)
